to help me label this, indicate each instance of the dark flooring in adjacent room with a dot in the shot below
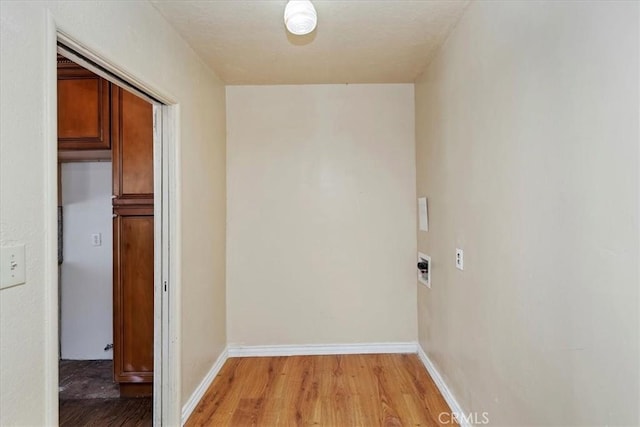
(87, 379)
(89, 397)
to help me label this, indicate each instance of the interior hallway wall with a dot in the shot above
(134, 36)
(321, 214)
(86, 287)
(527, 148)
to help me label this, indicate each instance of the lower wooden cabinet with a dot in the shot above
(133, 270)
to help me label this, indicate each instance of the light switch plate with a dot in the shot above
(12, 266)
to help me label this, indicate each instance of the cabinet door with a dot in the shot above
(133, 295)
(84, 121)
(132, 121)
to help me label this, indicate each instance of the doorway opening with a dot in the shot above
(114, 180)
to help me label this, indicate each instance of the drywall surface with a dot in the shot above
(527, 148)
(343, 49)
(321, 213)
(86, 283)
(133, 36)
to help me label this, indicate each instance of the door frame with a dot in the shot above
(167, 238)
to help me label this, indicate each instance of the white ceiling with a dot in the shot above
(356, 41)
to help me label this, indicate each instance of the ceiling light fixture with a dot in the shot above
(300, 17)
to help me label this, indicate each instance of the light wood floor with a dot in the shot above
(334, 391)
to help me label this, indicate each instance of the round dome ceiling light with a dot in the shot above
(300, 17)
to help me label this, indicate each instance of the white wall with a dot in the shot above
(527, 147)
(133, 36)
(86, 299)
(321, 214)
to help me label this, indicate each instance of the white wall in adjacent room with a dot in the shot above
(86, 279)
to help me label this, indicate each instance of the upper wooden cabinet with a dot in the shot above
(84, 116)
(132, 124)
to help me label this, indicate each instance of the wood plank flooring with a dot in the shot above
(87, 379)
(89, 397)
(130, 412)
(333, 391)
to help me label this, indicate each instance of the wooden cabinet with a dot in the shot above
(132, 149)
(84, 115)
(133, 237)
(133, 296)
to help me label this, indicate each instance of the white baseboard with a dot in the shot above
(202, 388)
(321, 349)
(442, 386)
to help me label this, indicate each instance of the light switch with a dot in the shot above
(12, 266)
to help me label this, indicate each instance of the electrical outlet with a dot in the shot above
(459, 259)
(96, 239)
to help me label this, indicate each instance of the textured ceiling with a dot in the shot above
(356, 41)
